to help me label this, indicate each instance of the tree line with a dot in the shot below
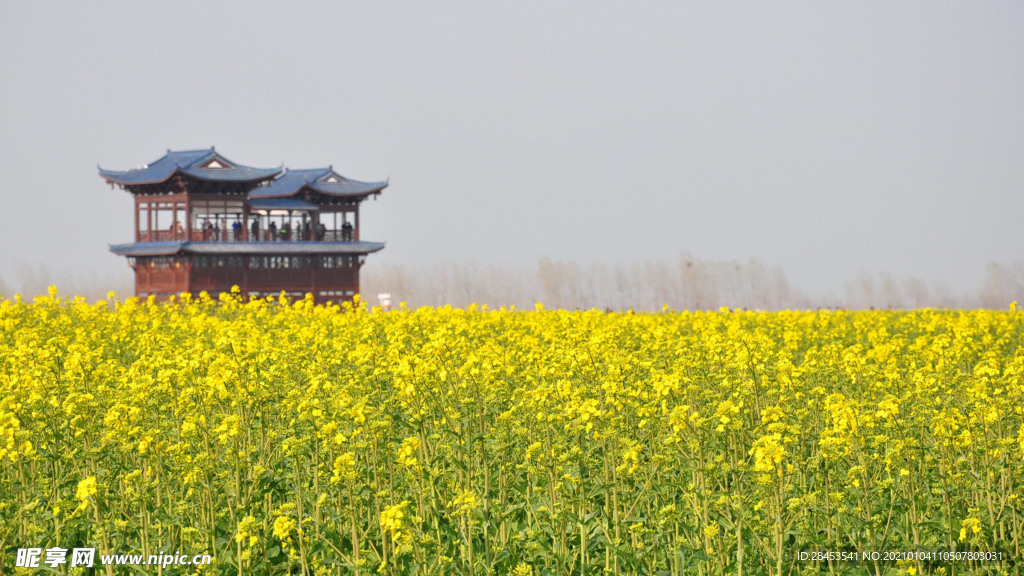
(687, 283)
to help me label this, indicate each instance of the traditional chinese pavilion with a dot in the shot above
(203, 222)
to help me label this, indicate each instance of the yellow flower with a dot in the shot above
(392, 518)
(768, 453)
(86, 488)
(465, 502)
(970, 526)
(244, 531)
(283, 527)
(407, 451)
(712, 531)
(344, 468)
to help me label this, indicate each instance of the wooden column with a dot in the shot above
(188, 218)
(355, 269)
(174, 221)
(245, 221)
(312, 275)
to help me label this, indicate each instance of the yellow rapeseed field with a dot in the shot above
(286, 438)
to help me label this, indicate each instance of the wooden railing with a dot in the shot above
(262, 235)
(162, 236)
(339, 235)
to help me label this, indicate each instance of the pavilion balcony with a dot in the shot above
(262, 235)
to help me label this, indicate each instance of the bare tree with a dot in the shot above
(690, 284)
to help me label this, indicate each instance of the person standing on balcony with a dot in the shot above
(255, 230)
(346, 231)
(273, 231)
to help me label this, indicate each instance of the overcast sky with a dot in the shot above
(827, 138)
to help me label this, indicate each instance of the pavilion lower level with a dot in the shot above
(327, 270)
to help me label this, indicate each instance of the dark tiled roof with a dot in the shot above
(147, 249)
(323, 180)
(245, 248)
(192, 162)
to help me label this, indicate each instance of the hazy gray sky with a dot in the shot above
(823, 137)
